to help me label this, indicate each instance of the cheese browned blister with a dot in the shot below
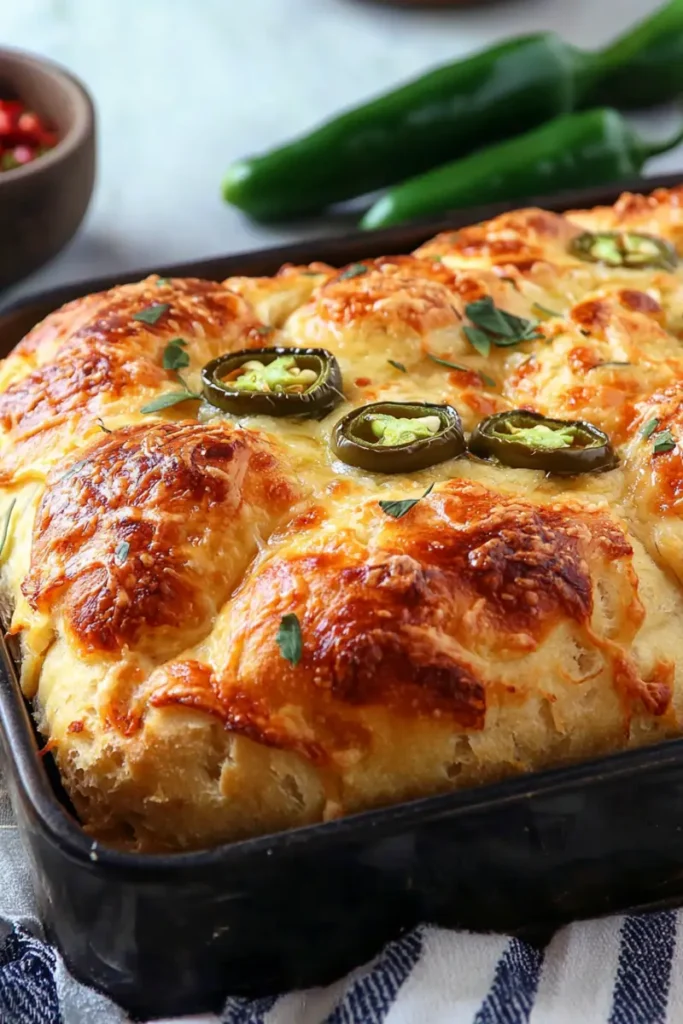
(509, 621)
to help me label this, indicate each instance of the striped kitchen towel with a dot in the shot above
(626, 970)
(620, 970)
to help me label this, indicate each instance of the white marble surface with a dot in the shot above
(184, 86)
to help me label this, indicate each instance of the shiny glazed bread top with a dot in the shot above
(227, 630)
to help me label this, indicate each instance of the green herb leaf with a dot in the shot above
(150, 314)
(649, 428)
(599, 366)
(289, 639)
(664, 441)
(74, 469)
(485, 314)
(483, 377)
(4, 529)
(100, 424)
(397, 365)
(163, 281)
(355, 270)
(121, 553)
(501, 328)
(175, 358)
(186, 386)
(544, 311)
(167, 400)
(264, 329)
(397, 509)
(478, 340)
(437, 259)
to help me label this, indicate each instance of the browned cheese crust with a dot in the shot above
(509, 621)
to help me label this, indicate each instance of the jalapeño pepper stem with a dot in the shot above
(644, 67)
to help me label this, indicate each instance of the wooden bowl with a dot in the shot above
(42, 203)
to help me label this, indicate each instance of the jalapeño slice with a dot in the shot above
(398, 437)
(304, 382)
(527, 440)
(624, 249)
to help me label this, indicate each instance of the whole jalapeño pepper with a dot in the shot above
(457, 109)
(443, 114)
(596, 147)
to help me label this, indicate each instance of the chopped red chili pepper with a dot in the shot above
(24, 136)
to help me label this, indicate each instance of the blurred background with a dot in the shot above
(184, 87)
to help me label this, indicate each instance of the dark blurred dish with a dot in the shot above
(437, 3)
(43, 202)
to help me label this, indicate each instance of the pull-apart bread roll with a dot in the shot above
(282, 549)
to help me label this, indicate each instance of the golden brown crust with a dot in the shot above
(506, 622)
(90, 360)
(131, 539)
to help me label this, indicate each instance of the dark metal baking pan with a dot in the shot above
(175, 933)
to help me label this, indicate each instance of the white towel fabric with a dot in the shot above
(620, 970)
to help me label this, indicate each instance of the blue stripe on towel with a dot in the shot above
(513, 990)
(370, 997)
(240, 1010)
(28, 993)
(646, 954)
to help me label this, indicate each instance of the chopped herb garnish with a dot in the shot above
(264, 329)
(175, 358)
(483, 377)
(585, 333)
(355, 270)
(494, 326)
(478, 339)
(544, 311)
(163, 281)
(121, 553)
(100, 424)
(75, 468)
(599, 366)
(397, 365)
(664, 441)
(649, 428)
(289, 638)
(437, 259)
(150, 314)
(4, 529)
(397, 509)
(169, 399)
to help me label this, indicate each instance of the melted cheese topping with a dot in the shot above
(509, 620)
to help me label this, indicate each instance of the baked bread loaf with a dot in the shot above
(237, 617)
